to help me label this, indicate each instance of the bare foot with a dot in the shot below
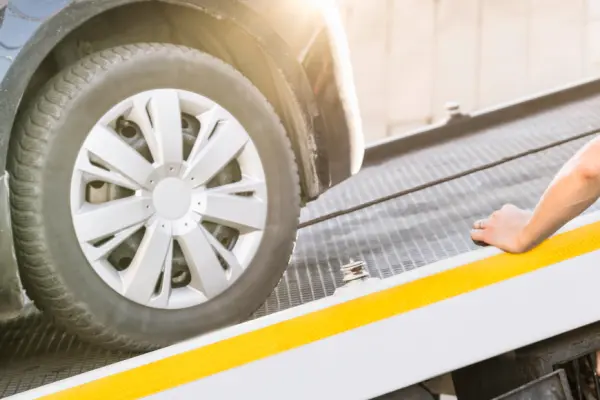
(503, 229)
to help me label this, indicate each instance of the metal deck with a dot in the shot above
(392, 237)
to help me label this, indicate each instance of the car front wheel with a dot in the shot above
(155, 196)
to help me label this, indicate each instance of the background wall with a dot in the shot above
(412, 56)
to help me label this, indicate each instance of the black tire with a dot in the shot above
(44, 147)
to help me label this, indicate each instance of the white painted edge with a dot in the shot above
(342, 297)
(413, 347)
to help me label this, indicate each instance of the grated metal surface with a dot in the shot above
(471, 151)
(33, 352)
(391, 237)
(411, 231)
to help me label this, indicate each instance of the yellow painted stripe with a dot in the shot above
(234, 352)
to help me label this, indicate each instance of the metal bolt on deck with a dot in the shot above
(354, 271)
(353, 274)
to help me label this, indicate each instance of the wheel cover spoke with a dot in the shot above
(235, 269)
(96, 253)
(163, 233)
(155, 251)
(164, 294)
(208, 123)
(96, 173)
(104, 143)
(106, 219)
(227, 141)
(246, 185)
(206, 271)
(245, 214)
(165, 115)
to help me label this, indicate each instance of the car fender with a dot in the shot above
(31, 29)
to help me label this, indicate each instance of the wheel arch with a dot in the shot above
(228, 30)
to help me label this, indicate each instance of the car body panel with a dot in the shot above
(328, 49)
(304, 39)
(12, 299)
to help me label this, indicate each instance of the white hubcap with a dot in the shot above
(168, 198)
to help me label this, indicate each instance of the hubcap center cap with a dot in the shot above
(172, 198)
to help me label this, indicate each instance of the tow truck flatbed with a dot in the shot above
(420, 241)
